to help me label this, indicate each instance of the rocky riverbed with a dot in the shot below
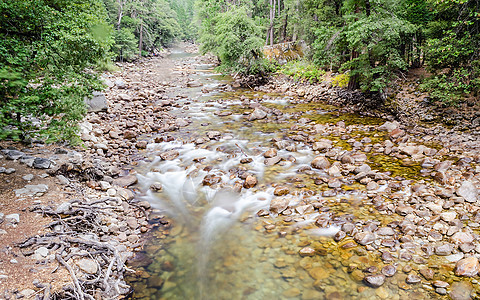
(257, 194)
(345, 206)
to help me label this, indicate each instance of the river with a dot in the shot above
(216, 237)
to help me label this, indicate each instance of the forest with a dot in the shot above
(51, 51)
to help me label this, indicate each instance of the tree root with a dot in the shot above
(75, 234)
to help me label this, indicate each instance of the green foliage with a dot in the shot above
(234, 37)
(301, 70)
(368, 44)
(453, 51)
(341, 80)
(47, 51)
(125, 47)
(145, 24)
(184, 10)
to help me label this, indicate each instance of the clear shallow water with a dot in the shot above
(213, 246)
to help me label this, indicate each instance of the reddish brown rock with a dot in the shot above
(250, 182)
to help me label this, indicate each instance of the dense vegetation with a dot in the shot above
(51, 50)
(46, 51)
(370, 41)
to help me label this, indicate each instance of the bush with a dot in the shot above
(341, 80)
(301, 70)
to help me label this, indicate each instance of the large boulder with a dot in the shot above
(97, 103)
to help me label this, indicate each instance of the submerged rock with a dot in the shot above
(320, 162)
(375, 281)
(468, 267)
(278, 205)
(257, 114)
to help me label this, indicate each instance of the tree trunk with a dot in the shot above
(353, 81)
(121, 3)
(140, 40)
(367, 8)
(271, 23)
(284, 32)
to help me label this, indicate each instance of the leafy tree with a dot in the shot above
(235, 37)
(453, 50)
(47, 51)
(141, 25)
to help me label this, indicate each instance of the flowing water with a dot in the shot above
(212, 244)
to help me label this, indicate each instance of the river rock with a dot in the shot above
(272, 161)
(181, 123)
(27, 293)
(246, 160)
(389, 270)
(88, 266)
(427, 273)
(13, 154)
(319, 273)
(97, 102)
(281, 191)
(41, 163)
(272, 152)
(364, 238)
(211, 179)
(375, 281)
(461, 290)
(41, 253)
(214, 135)
(129, 134)
(32, 190)
(257, 114)
(169, 155)
(462, 238)
(250, 182)
(156, 187)
(126, 181)
(322, 145)
(141, 145)
(412, 278)
(293, 292)
(278, 205)
(155, 281)
(388, 126)
(307, 251)
(132, 223)
(468, 191)
(63, 208)
(444, 250)
(119, 83)
(28, 177)
(448, 216)
(468, 267)
(125, 194)
(13, 218)
(320, 162)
